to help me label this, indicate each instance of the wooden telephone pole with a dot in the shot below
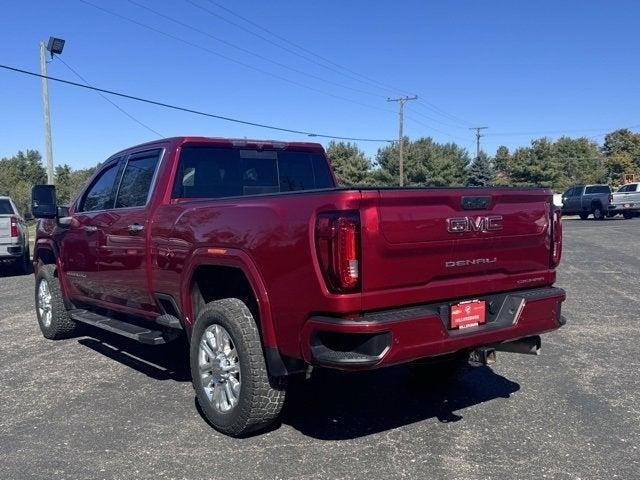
(401, 101)
(478, 137)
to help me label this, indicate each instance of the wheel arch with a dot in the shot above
(211, 263)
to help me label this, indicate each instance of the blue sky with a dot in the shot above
(519, 68)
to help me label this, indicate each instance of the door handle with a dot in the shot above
(90, 228)
(135, 228)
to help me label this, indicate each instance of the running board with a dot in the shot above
(125, 329)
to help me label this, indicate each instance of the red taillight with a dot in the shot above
(338, 246)
(556, 236)
(14, 227)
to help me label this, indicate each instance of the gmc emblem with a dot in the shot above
(489, 223)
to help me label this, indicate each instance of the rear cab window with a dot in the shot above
(5, 207)
(216, 172)
(597, 189)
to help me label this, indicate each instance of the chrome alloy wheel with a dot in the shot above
(44, 303)
(219, 368)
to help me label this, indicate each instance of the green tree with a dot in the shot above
(427, 163)
(69, 182)
(18, 174)
(501, 164)
(622, 150)
(350, 164)
(481, 172)
(536, 165)
(580, 162)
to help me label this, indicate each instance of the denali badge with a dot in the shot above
(489, 223)
(466, 263)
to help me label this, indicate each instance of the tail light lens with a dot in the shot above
(338, 246)
(14, 227)
(556, 237)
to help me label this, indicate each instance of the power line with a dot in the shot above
(230, 59)
(189, 110)
(77, 74)
(247, 51)
(276, 44)
(369, 80)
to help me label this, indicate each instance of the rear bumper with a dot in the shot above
(620, 208)
(10, 251)
(401, 335)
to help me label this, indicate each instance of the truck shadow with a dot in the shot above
(336, 405)
(332, 405)
(161, 362)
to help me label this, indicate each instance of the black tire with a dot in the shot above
(61, 325)
(584, 216)
(598, 212)
(627, 215)
(261, 397)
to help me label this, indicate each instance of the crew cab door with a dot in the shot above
(123, 251)
(572, 203)
(79, 248)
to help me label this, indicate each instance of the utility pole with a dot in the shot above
(478, 137)
(401, 101)
(45, 109)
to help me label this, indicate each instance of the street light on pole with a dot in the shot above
(55, 47)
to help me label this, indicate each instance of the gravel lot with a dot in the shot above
(102, 407)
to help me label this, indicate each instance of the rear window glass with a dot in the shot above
(597, 189)
(5, 207)
(209, 172)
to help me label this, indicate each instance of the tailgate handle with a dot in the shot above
(476, 203)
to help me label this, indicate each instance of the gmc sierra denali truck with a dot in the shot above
(251, 250)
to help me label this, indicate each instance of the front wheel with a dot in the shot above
(53, 318)
(584, 216)
(229, 372)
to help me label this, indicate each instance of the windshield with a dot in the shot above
(214, 172)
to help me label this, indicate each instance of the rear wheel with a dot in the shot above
(229, 372)
(627, 215)
(598, 212)
(584, 216)
(53, 318)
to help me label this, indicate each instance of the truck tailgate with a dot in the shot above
(426, 243)
(5, 229)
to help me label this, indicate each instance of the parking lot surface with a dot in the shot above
(102, 407)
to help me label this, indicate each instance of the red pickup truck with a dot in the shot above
(251, 250)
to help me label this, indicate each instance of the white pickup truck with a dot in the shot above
(14, 237)
(626, 201)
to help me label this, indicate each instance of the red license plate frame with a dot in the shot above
(468, 314)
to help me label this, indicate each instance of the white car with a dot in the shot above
(626, 201)
(14, 236)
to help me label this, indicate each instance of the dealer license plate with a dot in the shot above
(468, 314)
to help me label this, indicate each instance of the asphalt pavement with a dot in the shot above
(99, 406)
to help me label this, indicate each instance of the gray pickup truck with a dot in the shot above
(585, 200)
(626, 201)
(14, 237)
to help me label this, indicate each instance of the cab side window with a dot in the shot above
(137, 178)
(100, 194)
